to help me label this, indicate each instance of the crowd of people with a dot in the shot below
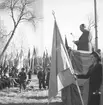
(12, 77)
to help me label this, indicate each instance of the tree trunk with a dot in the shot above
(7, 44)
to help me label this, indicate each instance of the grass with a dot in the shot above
(31, 96)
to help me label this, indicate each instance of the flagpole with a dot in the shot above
(53, 13)
(71, 68)
(96, 32)
(73, 39)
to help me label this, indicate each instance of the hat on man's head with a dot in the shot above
(98, 51)
(23, 69)
(83, 25)
(97, 55)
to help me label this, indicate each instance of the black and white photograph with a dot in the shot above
(51, 52)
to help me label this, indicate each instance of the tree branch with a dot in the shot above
(3, 35)
(15, 2)
(12, 15)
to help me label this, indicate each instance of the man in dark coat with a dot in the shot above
(95, 79)
(41, 77)
(22, 79)
(48, 77)
(29, 75)
(84, 41)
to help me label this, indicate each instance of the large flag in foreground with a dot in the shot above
(61, 68)
(81, 61)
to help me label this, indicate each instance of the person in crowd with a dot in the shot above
(99, 51)
(29, 74)
(84, 41)
(41, 78)
(95, 79)
(13, 72)
(22, 79)
(47, 77)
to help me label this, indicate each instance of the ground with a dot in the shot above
(31, 96)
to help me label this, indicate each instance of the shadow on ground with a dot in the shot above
(53, 103)
(37, 98)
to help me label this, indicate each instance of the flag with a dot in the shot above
(16, 60)
(44, 57)
(33, 59)
(29, 60)
(21, 57)
(21, 54)
(47, 59)
(4, 61)
(81, 61)
(34, 52)
(66, 42)
(61, 68)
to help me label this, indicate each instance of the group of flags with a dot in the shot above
(46, 60)
(18, 61)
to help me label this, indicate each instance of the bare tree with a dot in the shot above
(91, 26)
(19, 12)
(3, 36)
(91, 23)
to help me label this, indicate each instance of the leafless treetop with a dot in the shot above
(20, 7)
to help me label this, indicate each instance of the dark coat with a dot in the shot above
(47, 78)
(29, 74)
(41, 75)
(83, 42)
(95, 80)
(22, 76)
